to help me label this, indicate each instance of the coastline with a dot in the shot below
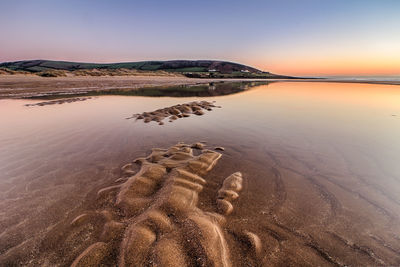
(73, 163)
(26, 86)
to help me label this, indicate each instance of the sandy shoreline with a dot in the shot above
(314, 191)
(23, 86)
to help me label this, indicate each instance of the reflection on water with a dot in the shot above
(320, 163)
(199, 90)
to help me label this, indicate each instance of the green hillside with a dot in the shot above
(189, 68)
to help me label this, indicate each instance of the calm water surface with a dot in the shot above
(320, 161)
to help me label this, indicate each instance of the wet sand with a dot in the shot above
(318, 166)
(152, 217)
(175, 112)
(59, 101)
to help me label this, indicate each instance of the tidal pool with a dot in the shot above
(320, 166)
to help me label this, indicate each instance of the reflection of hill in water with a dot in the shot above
(200, 90)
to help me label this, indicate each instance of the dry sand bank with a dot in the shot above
(88, 72)
(19, 86)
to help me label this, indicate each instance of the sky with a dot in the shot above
(293, 37)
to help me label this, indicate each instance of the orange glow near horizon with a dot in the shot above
(338, 66)
(332, 56)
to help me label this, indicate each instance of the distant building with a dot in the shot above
(245, 71)
(212, 70)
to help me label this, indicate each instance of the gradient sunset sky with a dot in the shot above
(309, 37)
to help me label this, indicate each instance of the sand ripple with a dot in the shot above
(175, 112)
(155, 220)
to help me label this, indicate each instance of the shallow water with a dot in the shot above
(320, 163)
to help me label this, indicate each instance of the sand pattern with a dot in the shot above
(59, 101)
(175, 112)
(156, 220)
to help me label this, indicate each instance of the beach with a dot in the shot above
(26, 86)
(18, 86)
(285, 173)
(201, 134)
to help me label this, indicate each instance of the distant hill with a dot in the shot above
(189, 68)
